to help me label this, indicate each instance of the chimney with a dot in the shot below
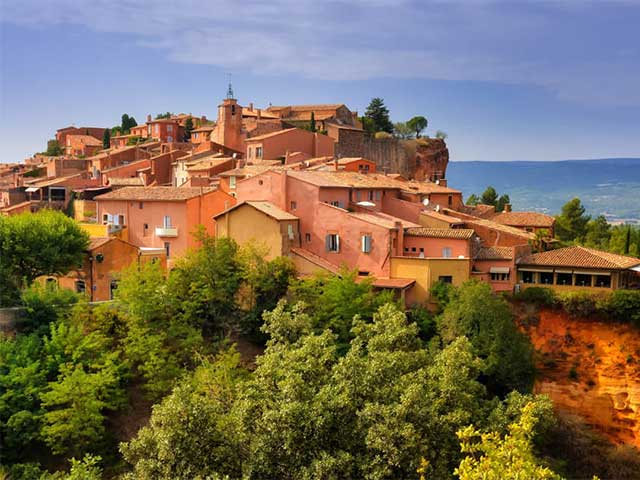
(336, 164)
(399, 239)
(251, 106)
(507, 208)
(259, 114)
(149, 118)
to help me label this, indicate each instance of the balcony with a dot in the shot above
(166, 231)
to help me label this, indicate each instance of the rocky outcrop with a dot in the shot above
(590, 368)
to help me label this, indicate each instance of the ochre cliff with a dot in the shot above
(590, 368)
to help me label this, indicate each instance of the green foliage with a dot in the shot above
(106, 139)
(501, 202)
(598, 233)
(489, 196)
(312, 123)
(378, 114)
(163, 116)
(188, 126)
(135, 140)
(53, 148)
(488, 322)
(191, 433)
(578, 304)
(44, 303)
(43, 243)
(417, 125)
(624, 306)
(441, 135)
(572, 223)
(537, 295)
(473, 199)
(402, 130)
(442, 293)
(126, 124)
(334, 300)
(493, 457)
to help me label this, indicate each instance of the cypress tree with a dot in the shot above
(312, 125)
(106, 139)
(627, 242)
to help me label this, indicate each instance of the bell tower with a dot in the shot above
(228, 130)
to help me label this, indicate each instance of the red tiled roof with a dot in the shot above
(86, 140)
(98, 242)
(580, 257)
(454, 233)
(441, 216)
(267, 208)
(500, 227)
(273, 134)
(495, 253)
(150, 194)
(400, 283)
(524, 219)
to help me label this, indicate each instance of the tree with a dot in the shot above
(572, 222)
(627, 241)
(312, 124)
(53, 148)
(598, 233)
(106, 139)
(43, 243)
(441, 135)
(127, 123)
(473, 199)
(417, 124)
(402, 130)
(501, 202)
(488, 323)
(165, 116)
(489, 197)
(493, 457)
(368, 125)
(188, 126)
(378, 113)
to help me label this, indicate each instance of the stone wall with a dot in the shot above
(423, 159)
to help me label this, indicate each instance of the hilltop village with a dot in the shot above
(310, 183)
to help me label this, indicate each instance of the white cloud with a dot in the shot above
(564, 45)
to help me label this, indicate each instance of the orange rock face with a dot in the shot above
(591, 369)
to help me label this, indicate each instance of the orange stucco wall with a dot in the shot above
(298, 140)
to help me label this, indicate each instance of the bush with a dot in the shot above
(537, 295)
(578, 304)
(383, 135)
(624, 306)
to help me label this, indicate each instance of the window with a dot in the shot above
(233, 109)
(332, 242)
(294, 205)
(169, 139)
(106, 219)
(258, 152)
(167, 221)
(290, 231)
(445, 279)
(145, 229)
(603, 281)
(528, 277)
(167, 248)
(140, 205)
(80, 286)
(232, 181)
(546, 278)
(499, 277)
(366, 243)
(157, 128)
(370, 195)
(583, 280)
(120, 220)
(450, 200)
(358, 195)
(307, 237)
(336, 203)
(170, 128)
(564, 279)
(113, 286)
(446, 252)
(378, 195)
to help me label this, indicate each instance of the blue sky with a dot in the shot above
(515, 80)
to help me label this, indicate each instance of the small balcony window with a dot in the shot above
(366, 243)
(332, 242)
(446, 252)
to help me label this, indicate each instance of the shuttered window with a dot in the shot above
(366, 243)
(332, 242)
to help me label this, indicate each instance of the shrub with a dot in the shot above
(383, 135)
(624, 306)
(537, 295)
(578, 304)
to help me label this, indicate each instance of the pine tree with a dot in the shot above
(106, 139)
(489, 197)
(379, 114)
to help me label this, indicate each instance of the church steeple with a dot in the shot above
(230, 91)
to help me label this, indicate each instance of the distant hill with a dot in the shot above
(609, 186)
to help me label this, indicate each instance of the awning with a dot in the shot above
(544, 270)
(586, 272)
(32, 189)
(564, 271)
(635, 269)
(499, 270)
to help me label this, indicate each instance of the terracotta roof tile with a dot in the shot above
(441, 216)
(150, 194)
(454, 233)
(523, 219)
(495, 253)
(97, 242)
(315, 259)
(86, 140)
(580, 257)
(501, 228)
